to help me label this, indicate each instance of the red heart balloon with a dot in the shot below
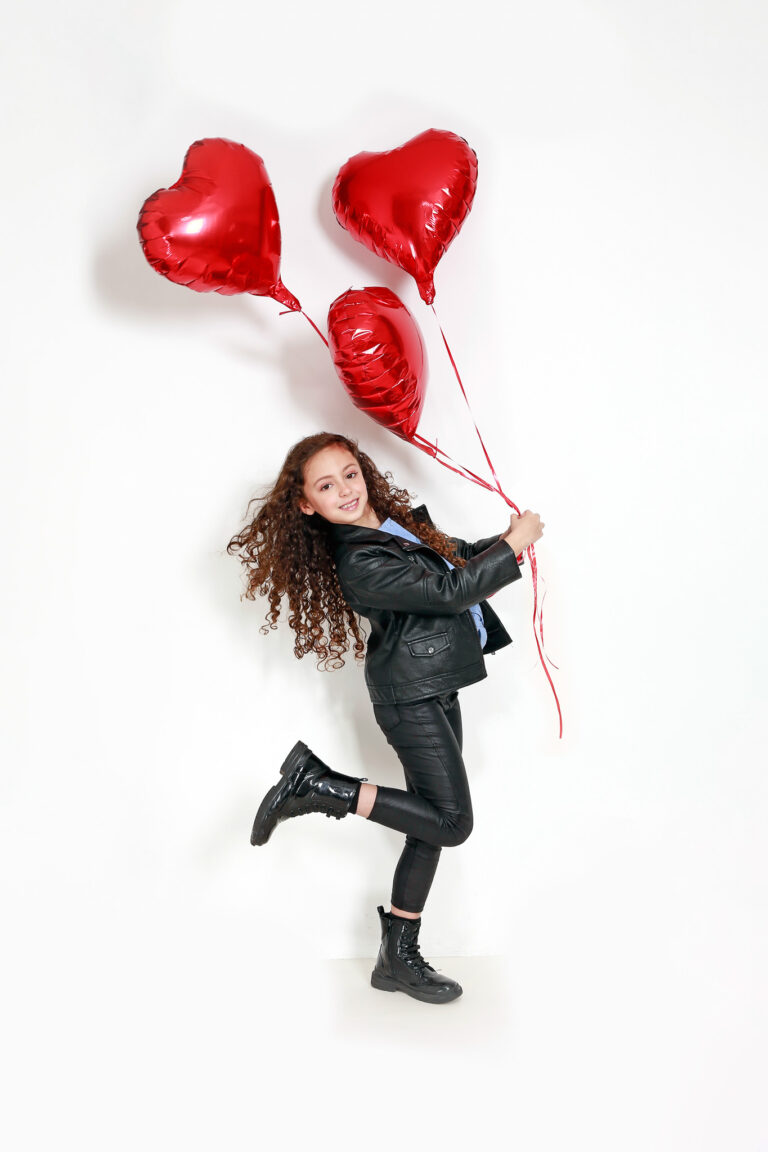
(408, 204)
(379, 355)
(217, 229)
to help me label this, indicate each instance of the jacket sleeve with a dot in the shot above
(373, 577)
(467, 551)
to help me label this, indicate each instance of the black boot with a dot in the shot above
(308, 785)
(401, 967)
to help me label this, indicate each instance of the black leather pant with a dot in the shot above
(436, 810)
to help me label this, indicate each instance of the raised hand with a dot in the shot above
(524, 530)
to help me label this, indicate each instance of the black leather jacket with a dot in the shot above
(423, 640)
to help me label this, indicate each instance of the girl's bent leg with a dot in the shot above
(436, 809)
(426, 736)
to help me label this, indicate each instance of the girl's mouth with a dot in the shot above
(351, 506)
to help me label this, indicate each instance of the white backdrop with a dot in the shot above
(605, 302)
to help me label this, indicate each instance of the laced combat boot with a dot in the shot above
(308, 785)
(400, 967)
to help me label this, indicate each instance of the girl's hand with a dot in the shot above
(524, 530)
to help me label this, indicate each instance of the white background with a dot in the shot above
(169, 985)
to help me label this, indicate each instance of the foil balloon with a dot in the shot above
(217, 229)
(379, 355)
(408, 204)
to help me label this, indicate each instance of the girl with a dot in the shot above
(340, 541)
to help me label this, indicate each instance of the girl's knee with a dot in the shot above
(459, 830)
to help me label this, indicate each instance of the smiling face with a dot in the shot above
(334, 487)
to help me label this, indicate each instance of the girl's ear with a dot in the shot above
(307, 509)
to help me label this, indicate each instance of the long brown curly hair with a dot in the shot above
(289, 554)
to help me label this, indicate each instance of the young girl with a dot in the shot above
(340, 541)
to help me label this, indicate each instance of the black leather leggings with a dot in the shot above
(436, 810)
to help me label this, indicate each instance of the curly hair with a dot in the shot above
(289, 554)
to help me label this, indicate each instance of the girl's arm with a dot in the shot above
(463, 549)
(373, 577)
(523, 530)
(467, 551)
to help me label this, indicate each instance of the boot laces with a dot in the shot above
(315, 806)
(411, 954)
(306, 809)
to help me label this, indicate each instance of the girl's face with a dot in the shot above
(334, 488)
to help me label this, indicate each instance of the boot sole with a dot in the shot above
(293, 761)
(387, 984)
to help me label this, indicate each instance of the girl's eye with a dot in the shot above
(328, 483)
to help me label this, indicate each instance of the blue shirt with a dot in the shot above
(396, 529)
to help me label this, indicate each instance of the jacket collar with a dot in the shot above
(355, 534)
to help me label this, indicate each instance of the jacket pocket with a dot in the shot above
(429, 645)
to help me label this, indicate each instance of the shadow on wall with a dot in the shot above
(243, 326)
(374, 270)
(124, 282)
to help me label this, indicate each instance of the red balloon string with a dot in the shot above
(530, 550)
(309, 320)
(466, 400)
(433, 450)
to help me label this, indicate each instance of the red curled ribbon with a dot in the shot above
(497, 488)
